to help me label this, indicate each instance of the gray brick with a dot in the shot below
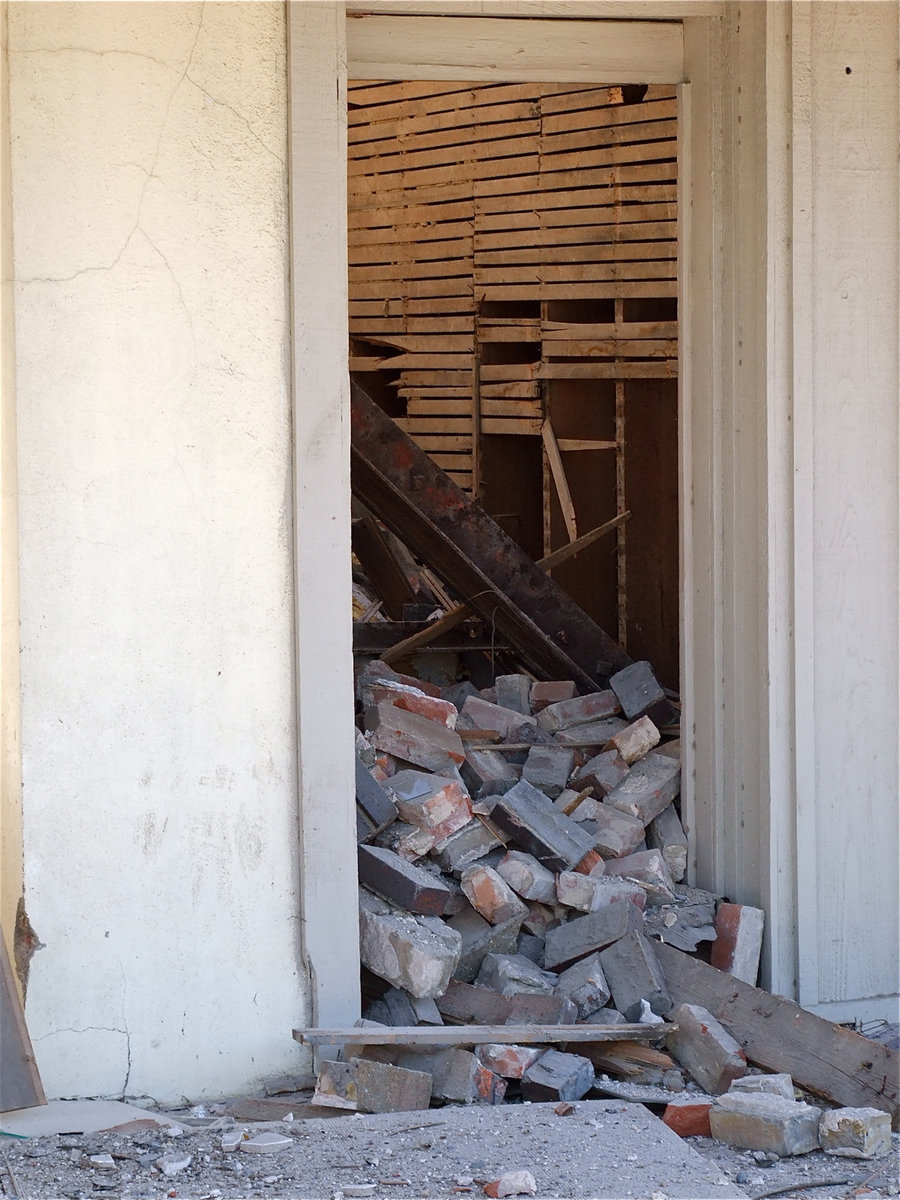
(404, 884)
(637, 689)
(633, 973)
(580, 710)
(480, 714)
(514, 975)
(467, 845)
(576, 939)
(531, 820)
(596, 733)
(527, 876)
(514, 692)
(488, 773)
(705, 1049)
(650, 786)
(604, 772)
(478, 938)
(647, 868)
(548, 768)
(558, 1076)
(419, 954)
(585, 985)
(666, 833)
(413, 737)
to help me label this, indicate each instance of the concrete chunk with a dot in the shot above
(435, 803)
(585, 985)
(705, 1049)
(763, 1122)
(666, 833)
(548, 768)
(576, 939)
(526, 876)
(531, 820)
(580, 710)
(687, 922)
(514, 975)
(855, 1132)
(413, 737)
(648, 869)
(633, 973)
(362, 1085)
(649, 787)
(635, 740)
(490, 895)
(738, 944)
(409, 841)
(388, 875)
(418, 954)
(558, 1076)
(772, 1085)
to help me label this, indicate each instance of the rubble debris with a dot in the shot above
(634, 975)
(267, 1143)
(855, 1132)
(558, 1076)
(490, 895)
(738, 941)
(510, 1061)
(688, 1115)
(512, 1183)
(764, 1122)
(418, 954)
(774, 1085)
(365, 1085)
(707, 1052)
(402, 883)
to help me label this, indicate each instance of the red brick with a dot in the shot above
(551, 691)
(739, 930)
(509, 1061)
(432, 802)
(591, 864)
(689, 1117)
(414, 700)
(490, 896)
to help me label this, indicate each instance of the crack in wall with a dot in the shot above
(234, 112)
(94, 53)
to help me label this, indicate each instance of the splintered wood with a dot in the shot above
(491, 227)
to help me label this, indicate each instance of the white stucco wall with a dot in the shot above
(149, 203)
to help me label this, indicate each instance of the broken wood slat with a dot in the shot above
(465, 547)
(568, 98)
(633, 331)
(496, 334)
(584, 252)
(514, 241)
(432, 632)
(630, 369)
(625, 289)
(569, 444)
(641, 348)
(380, 566)
(20, 1082)
(397, 306)
(460, 343)
(387, 326)
(511, 426)
(558, 471)
(491, 222)
(475, 1035)
(628, 1058)
(575, 272)
(781, 1036)
(563, 204)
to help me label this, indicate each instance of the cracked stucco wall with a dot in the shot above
(151, 321)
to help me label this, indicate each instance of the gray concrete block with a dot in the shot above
(457, 1075)
(382, 1087)
(576, 939)
(514, 975)
(558, 1076)
(585, 985)
(531, 820)
(687, 922)
(548, 768)
(633, 973)
(771, 1085)
(855, 1132)
(649, 787)
(705, 1049)
(532, 946)
(419, 954)
(763, 1122)
(666, 833)
(478, 938)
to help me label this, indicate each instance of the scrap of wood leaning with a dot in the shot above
(476, 1035)
(457, 615)
(20, 1082)
(779, 1035)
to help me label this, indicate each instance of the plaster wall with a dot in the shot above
(155, 496)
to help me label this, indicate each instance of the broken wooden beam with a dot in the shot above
(475, 1035)
(779, 1035)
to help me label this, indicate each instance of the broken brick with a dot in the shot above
(481, 714)
(596, 733)
(647, 868)
(604, 772)
(763, 1122)
(490, 896)
(688, 1116)
(738, 944)
(635, 740)
(433, 802)
(614, 833)
(548, 768)
(855, 1132)
(514, 975)
(550, 692)
(582, 936)
(637, 689)
(650, 786)
(532, 821)
(558, 1076)
(585, 985)
(633, 973)
(419, 954)
(514, 692)
(414, 700)
(478, 938)
(468, 844)
(488, 773)
(580, 710)
(412, 737)
(507, 1060)
(526, 876)
(705, 1049)
(391, 877)
(666, 833)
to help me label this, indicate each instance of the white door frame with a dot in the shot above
(723, 500)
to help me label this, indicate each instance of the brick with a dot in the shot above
(531, 820)
(514, 692)
(527, 1008)
(526, 876)
(688, 1116)
(855, 1132)
(433, 802)
(541, 917)
(457, 1075)
(637, 689)
(404, 884)
(585, 985)
(548, 768)
(552, 691)
(739, 934)
(507, 1060)
(409, 841)
(687, 922)
(614, 833)
(592, 864)
(648, 869)
(376, 671)
(650, 786)
(488, 773)
(580, 891)
(582, 936)
(763, 1122)
(635, 740)
(419, 954)
(468, 844)
(611, 889)
(414, 700)
(514, 975)
(604, 772)
(633, 973)
(570, 801)
(373, 804)
(458, 693)
(481, 714)
(412, 737)
(772, 1085)
(397, 1007)
(580, 710)
(490, 896)
(705, 1049)
(532, 946)
(362, 1085)
(605, 1016)
(666, 833)
(465, 1004)
(595, 733)
(478, 938)
(558, 1076)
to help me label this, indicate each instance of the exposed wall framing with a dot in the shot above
(513, 274)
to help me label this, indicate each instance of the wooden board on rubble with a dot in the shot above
(475, 1035)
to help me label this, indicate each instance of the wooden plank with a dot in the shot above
(644, 133)
(496, 334)
(603, 199)
(20, 1081)
(360, 92)
(573, 234)
(458, 270)
(446, 444)
(397, 305)
(424, 343)
(609, 347)
(440, 123)
(781, 1036)
(512, 426)
(564, 553)
(510, 389)
(587, 115)
(400, 235)
(439, 193)
(385, 326)
(482, 48)
(583, 290)
(424, 637)
(581, 218)
(425, 289)
(575, 444)
(443, 424)
(382, 569)
(633, 369)
(584, 180)
(459, 144)
(569, 99)
(558, 471)
(455, 102)
(475, 1035)
(574, 272)
(626, 330)
(584, 252)
(411, 252)
(419, 213)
